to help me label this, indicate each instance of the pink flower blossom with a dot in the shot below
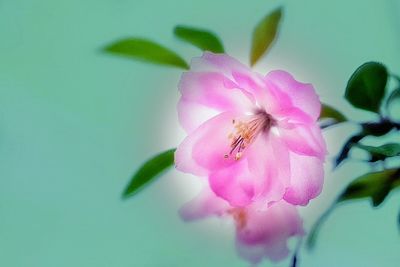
(254, 137)
(261, 232)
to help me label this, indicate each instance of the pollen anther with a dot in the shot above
(245, 132)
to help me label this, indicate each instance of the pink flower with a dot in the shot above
(254, 137)
(260, 231)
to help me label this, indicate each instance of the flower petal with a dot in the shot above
(303, 139)
(210, 62)
(268, 159)
(302, 95)
(204, 149)
(234, 184)
(248, 80)
(204, 205)
(265, 98)
(306, 181)
(265, 232)
(211, 90)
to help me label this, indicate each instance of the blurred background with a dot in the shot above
(75, 123)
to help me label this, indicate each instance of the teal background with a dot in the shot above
(75, 123)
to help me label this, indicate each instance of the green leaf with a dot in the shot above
(394, 95)
(374, 185)
(205, 40)
(379, 128)
(381, 152)
(264, 34)
(148, 51)
(348, 145)
(329, 112)
(366, 87)
(149, 171)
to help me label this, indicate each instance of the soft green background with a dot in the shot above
(75, 123)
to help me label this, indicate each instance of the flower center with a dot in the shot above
(245, 132)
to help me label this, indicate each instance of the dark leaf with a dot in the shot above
(344, 153)
(374, 185)
(379, 128)
(380, 195)
(149, 171)
(146, 50)
(264, 34)
(381, 152)
(394, 95)
(328, 112)
(205, 40)
(366, 87)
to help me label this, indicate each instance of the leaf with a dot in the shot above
(379, 128)
(370, 128)
(149, 171)
(148, 51)
(374, 185)
(366, 87)
(264, 35)
(394, 95)
(381, 152)
(329, 112)
(205, 40)
(344, 153)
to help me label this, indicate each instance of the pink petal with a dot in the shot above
(302, 95)
(210, 62)
(184, 156)
(234, 184)
(265, 232)
(204, 205)
(268, 159)
(266, 98)
(191, 114)
(204, 149)
(212, 91)
(292, 115)
(306, 181)
(244, 77)
(303, 139)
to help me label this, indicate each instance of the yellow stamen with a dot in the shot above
(245, 133)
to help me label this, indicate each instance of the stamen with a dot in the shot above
(245, 133)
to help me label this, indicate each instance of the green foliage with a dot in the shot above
(205, 40)
(376, 129)
(329, 112)
(148, 51)
(366, 87)
(344, 152)
(381, 152)
(149, 171)
(264, 34)
(394, 95)
(374, 185)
